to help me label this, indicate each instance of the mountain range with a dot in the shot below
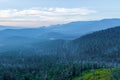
(62, 52)
(64, 31)
(10, 38)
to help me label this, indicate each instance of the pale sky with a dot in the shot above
(36, 13)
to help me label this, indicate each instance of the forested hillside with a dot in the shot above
(98, 46)
(61, 59)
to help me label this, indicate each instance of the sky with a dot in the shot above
(36, 13)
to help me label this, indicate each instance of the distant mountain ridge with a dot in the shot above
(64, 31)
(83, 27)
(8, 27)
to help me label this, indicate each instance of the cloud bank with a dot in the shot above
(43, 16)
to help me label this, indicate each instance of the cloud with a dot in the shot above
(46, 15)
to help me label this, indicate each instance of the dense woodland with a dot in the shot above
(61, 59)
